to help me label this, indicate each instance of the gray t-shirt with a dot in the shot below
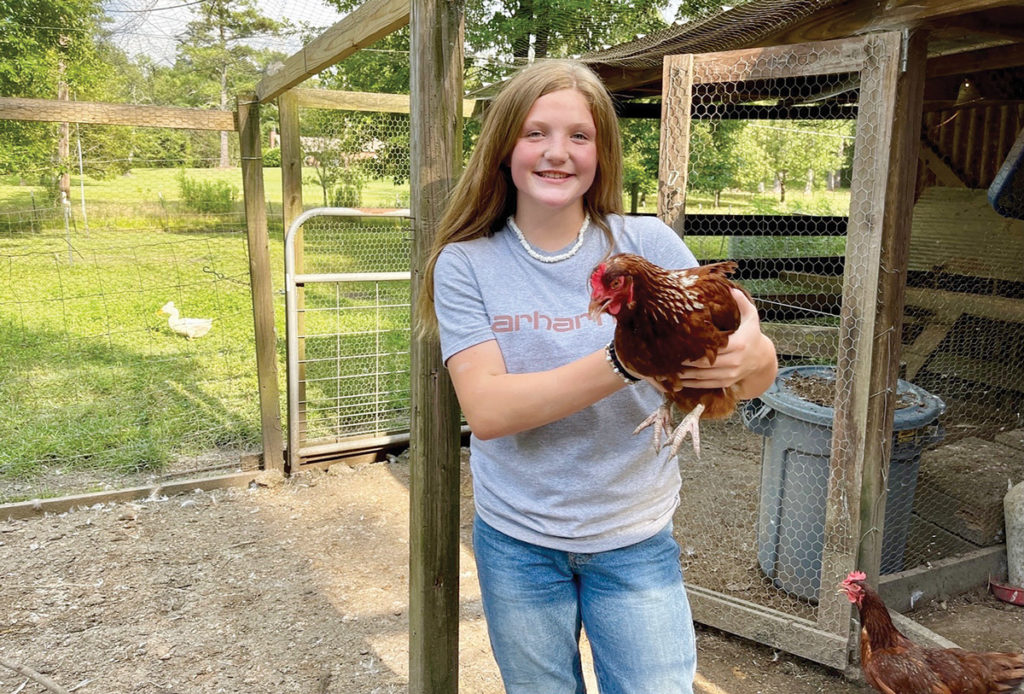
(583, 483)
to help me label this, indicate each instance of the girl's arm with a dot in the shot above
(497, 403)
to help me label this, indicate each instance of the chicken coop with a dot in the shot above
(908, 276)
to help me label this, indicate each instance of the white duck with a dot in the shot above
(189, 327)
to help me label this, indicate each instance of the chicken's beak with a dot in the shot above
(597, 307)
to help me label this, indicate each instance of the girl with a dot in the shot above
(573, 513)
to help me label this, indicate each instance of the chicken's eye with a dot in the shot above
(617, 283)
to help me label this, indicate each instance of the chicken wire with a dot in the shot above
(99, 391)
(763, 173)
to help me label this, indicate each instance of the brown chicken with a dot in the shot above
(893, 664)
(663, 319)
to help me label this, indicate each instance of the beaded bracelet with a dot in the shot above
(617, 367)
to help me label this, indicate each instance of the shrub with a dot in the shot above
(206, 196)
(272, 157)
(348, 193)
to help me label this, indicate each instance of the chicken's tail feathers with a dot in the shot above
(1009, 670)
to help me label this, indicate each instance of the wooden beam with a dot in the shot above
(976, 61)
(291, 208)
(37, 507)
(766, 62)
(711, 224)
(944, 173)
(362, 101)
(371, 21)
(819, 342)
(943, 578)
(773, 628)
(673, 166)
(859, 17)
(115, 114)
(260, 279)
(435, 155)
(878, 239)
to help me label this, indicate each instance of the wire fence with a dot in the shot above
(99, 387)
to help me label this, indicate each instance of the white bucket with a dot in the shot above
(1013, 512)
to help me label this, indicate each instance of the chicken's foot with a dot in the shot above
(661, 418)
(689, 425)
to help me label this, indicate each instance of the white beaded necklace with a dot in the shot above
(550, 258)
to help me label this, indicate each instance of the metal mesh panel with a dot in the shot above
(778, 169)
(349, 354)
(750, 202)
(99, 390)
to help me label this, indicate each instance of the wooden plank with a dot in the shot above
(917, 353)
(942, 302)
(115, 114)
(435, 158)
(860, 17)
(362, 101)
(712, 224)
(771, 62)
(976, 61)
(360, 28)
(675, 140)
(888, 131)
(943, 578)
(62, 504)
(944, 173)
(260, 279)
(709, 111)
(763, 625)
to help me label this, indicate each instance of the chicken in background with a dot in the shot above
(665, 318)
(893, 664)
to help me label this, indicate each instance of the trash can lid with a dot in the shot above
(919, 409)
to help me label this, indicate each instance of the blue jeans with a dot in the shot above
(631, 601)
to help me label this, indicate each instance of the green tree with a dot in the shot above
(46, 47)
(713, 160)
(640, 143)
(781, 152)
(218, 45)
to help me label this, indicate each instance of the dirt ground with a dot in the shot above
(299, 585)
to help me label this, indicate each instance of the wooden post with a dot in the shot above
(878, 239)
(435, 158)
(259, 276)
(63, 138)
(677, 87)
(291, 198)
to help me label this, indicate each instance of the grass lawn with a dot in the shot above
(93, 378)
(150, 197)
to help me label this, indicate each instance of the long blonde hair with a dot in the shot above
(485, 196)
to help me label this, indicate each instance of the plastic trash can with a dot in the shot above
(795, 471)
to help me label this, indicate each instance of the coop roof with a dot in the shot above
(964, 37)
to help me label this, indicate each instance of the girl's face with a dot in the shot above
(555, 158)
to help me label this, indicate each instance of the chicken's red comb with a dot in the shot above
(856, 576)
(595, 277)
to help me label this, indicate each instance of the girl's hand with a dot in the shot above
(748, 359)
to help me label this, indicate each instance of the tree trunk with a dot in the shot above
(634, 196)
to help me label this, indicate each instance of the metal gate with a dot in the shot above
(347, 304)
